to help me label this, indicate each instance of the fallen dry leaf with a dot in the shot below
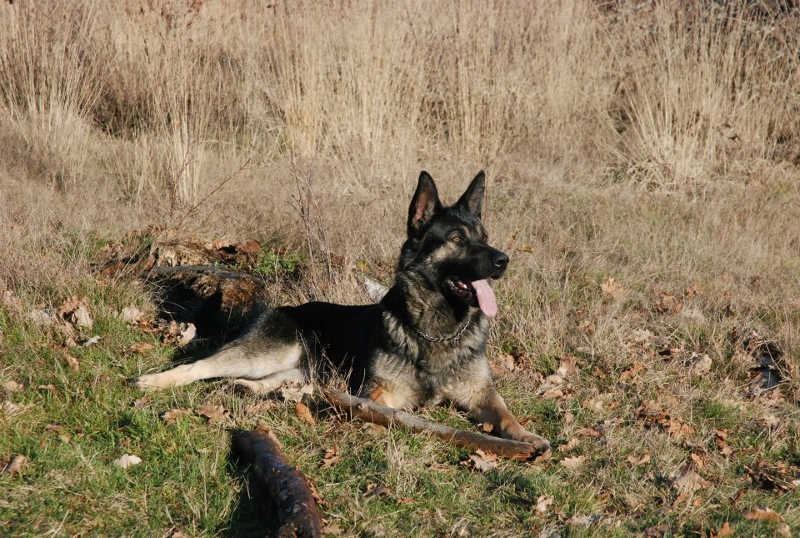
(651, 413)
(665, 303)
(543, 503)
(14, 466)
(585, 521)
(10, 409)
(692, 291)
(44, 317)
(214, 413)
(764, 514)
(375, 430)
(13, 386)
(249, 247)
(656, 531)
(779, 476)
(332, 529)
(587, 432)
(331, 457)
(568, 366)
(56, 429)
(688, 482)
(700, 363)
(75, 310)
(142, 348)
(629, 375)
(574, 462)
(506, 362)
(724, 531)
(441, 467)
(375, 490)
(172, 415)
(220, 244)
(610, 287)
(10, 300)
(569, 445)
(481, 461)
(682, 498)
(90, 341)
(304, 414)
(738, 495)
(130, 314)
(73, 363)
(638, 460)
(698, 460)
(187, 335)
(141, 402)
(293, 391)
(127, 460)
(642, 336)
(315, 493)
(720, 438)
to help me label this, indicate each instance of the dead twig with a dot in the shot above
(369, 411)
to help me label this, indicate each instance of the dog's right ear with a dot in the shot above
(424, 204)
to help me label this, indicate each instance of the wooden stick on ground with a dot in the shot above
(297, 512)
(369, 411)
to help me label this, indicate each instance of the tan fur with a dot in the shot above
(231, 362)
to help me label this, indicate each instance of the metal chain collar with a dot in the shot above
(452, 339)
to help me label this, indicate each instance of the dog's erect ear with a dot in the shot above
(472, 199)
(424, 204)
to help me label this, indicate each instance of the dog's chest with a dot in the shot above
(437, 373)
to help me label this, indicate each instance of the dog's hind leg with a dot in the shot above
(272, 382)
(240, 361)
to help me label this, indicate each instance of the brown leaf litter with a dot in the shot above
(481, 461)
(651, 414)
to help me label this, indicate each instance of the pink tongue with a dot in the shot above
(486, 299)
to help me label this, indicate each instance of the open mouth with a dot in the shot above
(461, 289)
(477, 293)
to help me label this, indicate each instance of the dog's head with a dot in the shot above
(448, 246)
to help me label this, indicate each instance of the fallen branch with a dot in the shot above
(297, 512)
(369, 411)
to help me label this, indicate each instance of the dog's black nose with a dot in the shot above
(500, 260)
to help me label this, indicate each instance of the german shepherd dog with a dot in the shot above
(423, 343)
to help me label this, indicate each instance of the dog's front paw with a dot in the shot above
(146, 382)
(542, 445)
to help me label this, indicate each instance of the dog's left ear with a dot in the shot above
(472, 199)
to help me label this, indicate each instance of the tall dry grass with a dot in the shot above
(160, 95)
(234, 116)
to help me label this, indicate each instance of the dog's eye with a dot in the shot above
(456, 239)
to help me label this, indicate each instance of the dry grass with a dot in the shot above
(653, 143)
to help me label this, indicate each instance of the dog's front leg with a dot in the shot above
(488, 406)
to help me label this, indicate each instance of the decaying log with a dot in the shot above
(288, 489)
(369, 411)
